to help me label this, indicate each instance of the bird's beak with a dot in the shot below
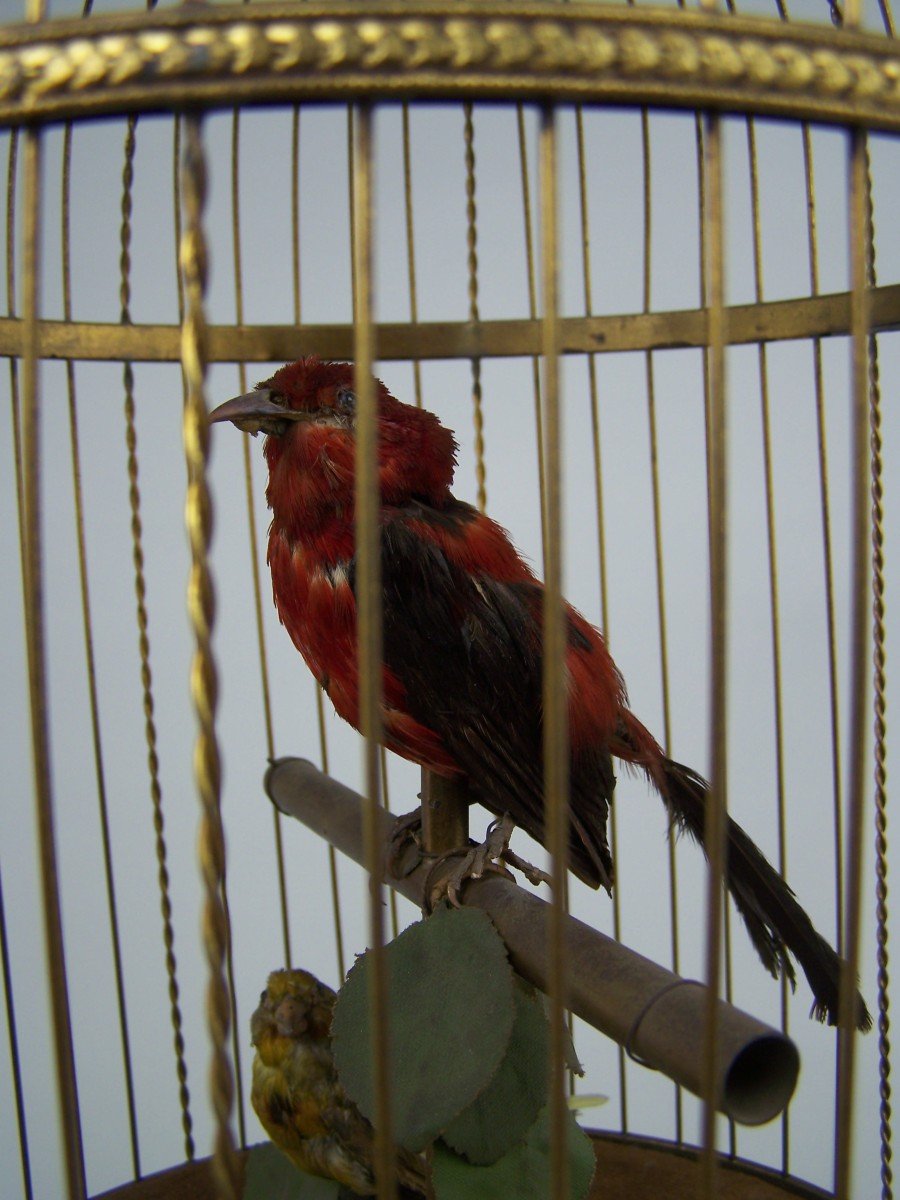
(257, 411)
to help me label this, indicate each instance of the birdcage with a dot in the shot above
(644, 261)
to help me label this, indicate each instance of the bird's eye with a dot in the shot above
(346, 400)
(278, 399)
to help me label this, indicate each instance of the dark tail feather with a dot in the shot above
(776, 922)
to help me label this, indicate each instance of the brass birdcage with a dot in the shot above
(644, 261)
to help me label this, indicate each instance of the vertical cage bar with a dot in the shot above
(237, 258)
(837, 787)
(37, 681)
(14, 1060)
(15, 410)
(368, 599)
(320, 704)
(530, 275)
(556, 749)
(772, 562)
(716, 803)
(599, 509)
(659, 560)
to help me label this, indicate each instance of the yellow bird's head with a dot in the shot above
(294, 1005)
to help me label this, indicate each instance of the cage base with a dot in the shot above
(629, 1168)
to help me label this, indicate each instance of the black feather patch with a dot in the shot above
(467, 649)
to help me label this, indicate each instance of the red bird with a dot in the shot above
(463, 644)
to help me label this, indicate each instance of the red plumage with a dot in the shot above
(462, 643)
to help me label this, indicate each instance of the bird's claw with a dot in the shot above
(441, 885)
(405, 850)
(491, 855)
(533, 874)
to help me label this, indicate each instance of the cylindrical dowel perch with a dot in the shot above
(657, 1015)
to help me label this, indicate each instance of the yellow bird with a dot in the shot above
(298, 1097)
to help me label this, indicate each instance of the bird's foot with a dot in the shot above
(499, 832)
(493, 854)
(405, 849)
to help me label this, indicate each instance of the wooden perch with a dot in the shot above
(656, 1015)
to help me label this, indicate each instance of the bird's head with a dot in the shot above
(308, 410)
(308, 391)
(293, 1005)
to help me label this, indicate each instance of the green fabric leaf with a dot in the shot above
(270, 1175)
(506, 1110)
(524, 1172)
(451, 1006)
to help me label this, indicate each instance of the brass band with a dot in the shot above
(583, 52)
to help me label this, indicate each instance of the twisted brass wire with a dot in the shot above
(93, 698)
(223, 891)
(714, 838)
(879, 747)
(474, 315)
(254, 544)
(229, 944)
(204, 688)
(146, 673)
(859, 631)
(555, 731)
(879, 703)
(64, 1056)
(410, 244)
(532, 300)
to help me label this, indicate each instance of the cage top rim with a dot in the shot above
(531, 50)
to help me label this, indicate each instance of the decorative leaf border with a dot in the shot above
(500, 49)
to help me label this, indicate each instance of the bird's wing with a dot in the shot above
(466, 648)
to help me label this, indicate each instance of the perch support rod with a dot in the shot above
(658, 1016)
(445, 813)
